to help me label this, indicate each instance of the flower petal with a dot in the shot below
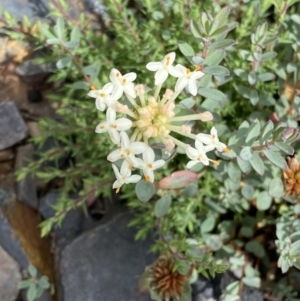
(115, 76)
(138, 147)
(149, 175)
(197, 74)
(192, 86)
(129, 90)
(117, 92)
(124, 140)
(108, 88)
(93, 93)
(130, 77)
(214, 132)
(123, 124)
(125, 169)
(116, 171)
(191, 152)
(101, 127)
(114, 155)
(100, 104)
(181, 83)
(220, 146)
(191, 164)
(148, 155)
(171, 56)
(204, 138)
(160, 77)
(175, 72)
(114, 135)
(199, 146)
(154, 66)
(158, 164)
(133, 179)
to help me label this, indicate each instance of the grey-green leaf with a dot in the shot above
(246, 153)
(215, 58)
(162, 206)
(257, 164)
(216, 70)
(186, 49)
(234, 172)
(32, 292)
(253, 131)
(263, 201)
(64, 62)
(212, 94)
(256, 248)
(276, 188)
(245, 166)
(144, 190)
(285, 147)
(267, 131)
(221, 44)
(275, 158)
(252, 281)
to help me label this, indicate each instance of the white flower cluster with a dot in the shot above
(150, 116)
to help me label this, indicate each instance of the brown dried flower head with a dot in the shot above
(292, 177)
(166, 282)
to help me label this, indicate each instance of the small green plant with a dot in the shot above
(34, 284)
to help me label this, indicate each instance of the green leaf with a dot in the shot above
(186, 49)
(212, 94)
(24, 283)
(80, 85)
(220, 30)
(252, 281)
(256, 248)
(216, 70)
(144, 190)
(75, 34)
(263, 201)
(285, 147)
(234, 172)
(32, 292)
(222, 15)
(267, 131)
(32, 271)
(44, 282)
(252, 78)
(64, 62)
(187, 293)
(243, 91)
(215, 58)
(264, 77)
(268, 55)
(71, 44)
(246, 153)
(59, 27)
(246, 231)
(46, 31)
(208, 224)
(52, 41)
(257, 164)
(253, 96)
(214, 206)
(245, 166)
(276, 188)
(276, 159)
(195, 30)
(162, 206)
(221, 44)
(253, 131)
(247, 192)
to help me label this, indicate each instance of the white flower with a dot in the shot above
(102, 96)
(162, 68)
(186, 78)
(149, 165)
(124, 176)
(113, 126)
(212, 141)
(127, 150)
(122, 84)
(197, 154)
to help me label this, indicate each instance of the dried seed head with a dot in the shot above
(292, 177)
(166, 282)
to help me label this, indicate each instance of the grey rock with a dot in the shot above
(10, 242)
(202, 290)
(6, 155)
(12, 126)
(72, 224)
(31, 68)
(105, 263)
(26, 189)
(10, 276)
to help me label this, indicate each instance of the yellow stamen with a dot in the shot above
(199, 158)
(187, 71)
(117, 74)
(122, 156)
(147, 178)
(213, 136)
(130, 165)
(114, 126)
(150, 165)
(128, 152)
(215, 162)
(124, 81)
(227, 150)
(102, 94)
(118, 189)
(93, 87)
(101, 127)
(198, 68)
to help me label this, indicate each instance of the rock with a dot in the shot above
(12, 126)
(20, 236)
(6, 155)
(26, 189)
(10, 276)
(72, 223)
(202, 290)
(105, 263)
(30, 68)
